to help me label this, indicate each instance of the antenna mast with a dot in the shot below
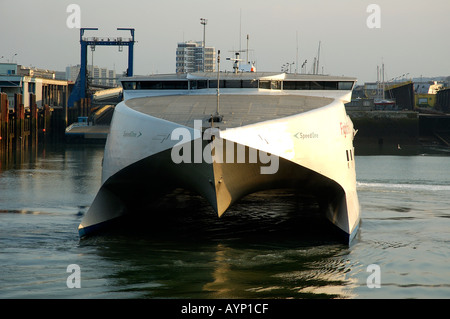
(240, 29)
(247, 47)
(296, 58)
(218, 82)
(318, 57)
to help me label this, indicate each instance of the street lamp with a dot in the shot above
(203, 22)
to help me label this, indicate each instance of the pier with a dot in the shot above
(19, 127)
(23, 128)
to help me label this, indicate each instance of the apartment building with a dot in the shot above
(192, 57)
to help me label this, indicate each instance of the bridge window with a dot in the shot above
(317, 85)
(149, 85)
(232, 84)
(274, 85)
(250, 84)
(329, 85)
(345, 85)
(213, 84)
(161, 85)
(199, 84)
(175, 85)
(296, 85)
(129, 85)
(262, 84)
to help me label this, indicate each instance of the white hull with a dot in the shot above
(311, 151)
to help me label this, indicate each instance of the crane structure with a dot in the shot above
(80, 88)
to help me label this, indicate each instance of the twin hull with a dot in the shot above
(311, 152)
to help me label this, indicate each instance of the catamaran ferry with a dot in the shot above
(224, 135)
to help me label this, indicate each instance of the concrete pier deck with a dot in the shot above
(87, 132)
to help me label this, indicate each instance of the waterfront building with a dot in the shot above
(426, 93)
(16, 78)
(191, 56)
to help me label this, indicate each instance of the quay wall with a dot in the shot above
(385, 127)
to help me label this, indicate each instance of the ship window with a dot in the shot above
(345, 85)
(330, 85)
(162, 85)
(296, 85)
(199, 84)
(288, 85)
(129, 85)
(274, 85)
(149, 85)
(264, 84)
(249, 84)
(232, 84)
(316, 85)
(175, 85)
(213, 84)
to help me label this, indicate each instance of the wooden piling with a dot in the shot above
(47, 114)
(4, 123)
(34, 120)
(19, 110)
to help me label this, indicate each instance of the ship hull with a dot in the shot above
(146, 157)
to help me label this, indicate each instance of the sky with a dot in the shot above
(408, 36)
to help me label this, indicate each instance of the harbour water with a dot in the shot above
(262, 248)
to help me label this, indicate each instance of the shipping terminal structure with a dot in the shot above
(224, 135)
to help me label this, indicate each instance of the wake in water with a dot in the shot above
(402, 186)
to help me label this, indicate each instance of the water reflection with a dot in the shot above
(196, 255)
(15, 158)
(224, 271)
(219, 287)
(291, 273)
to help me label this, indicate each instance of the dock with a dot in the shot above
(85, 131)
(22, 127)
